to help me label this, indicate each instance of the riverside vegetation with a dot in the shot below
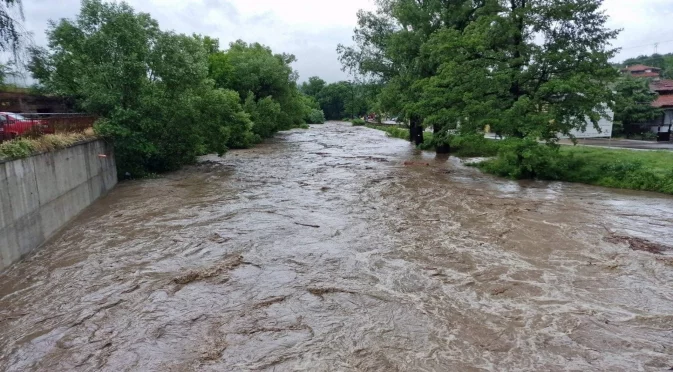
(527, 69)
(165, 98)
(625, 169)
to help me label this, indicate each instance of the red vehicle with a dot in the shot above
(13, 125)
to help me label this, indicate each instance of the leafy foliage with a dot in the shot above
(165, 98)
(316, 117)
(639, 170)
(527, 68)
(11, 37)
(633, 102)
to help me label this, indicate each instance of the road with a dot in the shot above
(623, 143)
(338, 248)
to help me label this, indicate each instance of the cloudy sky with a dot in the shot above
(311, 29)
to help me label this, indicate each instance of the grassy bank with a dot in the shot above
(624, 169)
(519, 159)
(24, 147)
(392, 131)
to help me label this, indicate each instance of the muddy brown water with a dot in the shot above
(322, 251)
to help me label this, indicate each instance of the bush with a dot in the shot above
(474, 145)
(527, 158)
(316, 117)
(17, 148)
(24, 147)
(265, 115)
(358, 122)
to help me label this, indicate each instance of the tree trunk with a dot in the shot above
(419, 135)
(440, 148)
(415, 130)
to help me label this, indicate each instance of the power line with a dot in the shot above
(655, 44)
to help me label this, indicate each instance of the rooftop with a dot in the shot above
(661, 85)
(663, 101)
(637, 68)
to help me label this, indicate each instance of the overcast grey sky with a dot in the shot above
(311, 29)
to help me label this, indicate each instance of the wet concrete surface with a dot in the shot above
(322, 251)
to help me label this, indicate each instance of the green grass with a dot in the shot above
(395, 132)
(625, 169)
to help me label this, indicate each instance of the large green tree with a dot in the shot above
(313, 86)
(388, 48)
(255, 69)
(530, 68)
(150, 88)
(633, 103)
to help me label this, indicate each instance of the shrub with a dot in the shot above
(265, 115)
(17, 148)
(358, 122)
(316, 117)
(471, 145)
(527, 158)
(24, 147)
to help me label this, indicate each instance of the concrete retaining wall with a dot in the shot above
(42, 193)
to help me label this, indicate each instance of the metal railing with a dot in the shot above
(13, 125)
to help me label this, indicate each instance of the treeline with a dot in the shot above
(344, 99)
(165, 98)
(528, 70)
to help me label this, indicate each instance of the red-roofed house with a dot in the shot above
(642, 71)
(664, 88)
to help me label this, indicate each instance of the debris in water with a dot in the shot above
(197, 275)
(307, 225)
(269, 302)
(217, 238)
(637, 244)
(323, 291)
(412, 164)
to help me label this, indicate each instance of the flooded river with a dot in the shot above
(339, 249)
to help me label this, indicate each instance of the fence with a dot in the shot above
(34, 125)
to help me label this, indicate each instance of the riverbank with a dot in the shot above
(617, 168)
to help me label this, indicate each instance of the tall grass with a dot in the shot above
(24, 147)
